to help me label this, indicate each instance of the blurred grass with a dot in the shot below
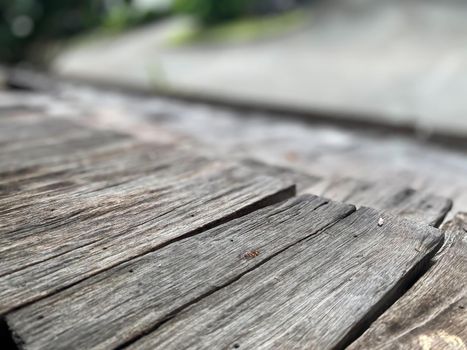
(29, 28)
(210, 12)
(239, 31)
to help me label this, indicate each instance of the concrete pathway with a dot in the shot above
(401, 61)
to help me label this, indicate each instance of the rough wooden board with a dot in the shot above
(21, 132)
(44, 229)
(94, 233)
(391, 197)
(433, 313)
(120, 304)
(319, 150)
(54, 154)
(13, 99)
(52, 183)
(301, 180)
(31, 142)
(58, 152)
(34, 129)
(316, 295)
(41, 227)
(13, 103)
(323, 150)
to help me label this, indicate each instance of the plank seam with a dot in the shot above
(8, 338)
(390, 298)
(274, 198)
(233, 280)
(446, 210)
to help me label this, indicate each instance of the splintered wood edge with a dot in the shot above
(423, 207)
(454, 247)
(393, 293)
(346, 210)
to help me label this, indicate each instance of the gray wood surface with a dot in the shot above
(128, 300)
(32, 142)
(433, 313)
(68, 209)
(319, 294)
(40, 188)
(119, 227)
(326, 151)
(306, 150)
(392, 197)
(301, 180)
(63, 187)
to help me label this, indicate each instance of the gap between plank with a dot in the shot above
(401, 288)
(233, 280)
(275, 198)
(8, 339)
(442, 219)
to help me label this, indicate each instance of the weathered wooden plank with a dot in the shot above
(316, 295)
(433, 313)
(10, 98)
(93, 232)
(117, 305)
(391, 197)
(96, 172)
(20, 132)
(322, 150)
(43, 153)
(29, 143)
(67, 199)
(14, 103)
(40, 227)
(44, 229)
(301, 180)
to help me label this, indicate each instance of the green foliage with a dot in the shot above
(25, 24)
(213, 11)
(241, 30)
(124, 16)
(31, 24)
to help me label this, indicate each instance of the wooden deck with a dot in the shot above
(141, 238)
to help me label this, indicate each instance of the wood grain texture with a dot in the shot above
(316, 295)
(301, 180)
(122, 303)
(27, 143)
(392, 197)
(232, 135)
(16, 99)
(60, 203)
(22, 131)
(41, 175)
(93, 234)
(324, 150)
(433, 313)
(70, 202)
(52, 183)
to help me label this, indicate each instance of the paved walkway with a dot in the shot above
(402, 61)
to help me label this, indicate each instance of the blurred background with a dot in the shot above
(397, 62)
